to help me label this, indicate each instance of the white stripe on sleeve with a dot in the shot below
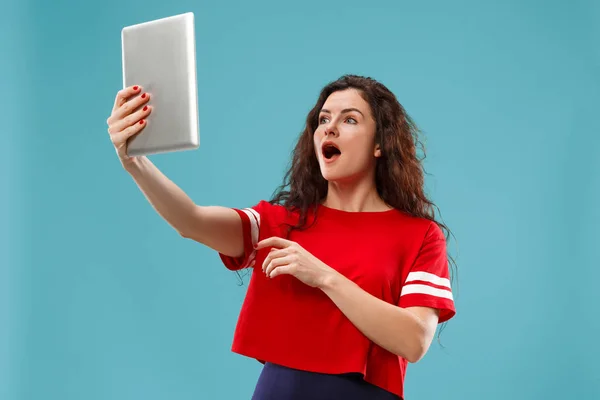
(428, 277)
(415, 288)
(254, 218)
(254, 224)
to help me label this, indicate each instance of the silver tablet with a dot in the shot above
(160, 56)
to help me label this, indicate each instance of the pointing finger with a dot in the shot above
(273, 241)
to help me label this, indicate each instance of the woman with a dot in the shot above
(350, 267)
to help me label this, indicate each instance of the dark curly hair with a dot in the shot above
(399, 176)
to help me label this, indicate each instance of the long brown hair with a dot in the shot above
(399, 175)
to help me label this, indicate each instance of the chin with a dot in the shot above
(329, 177)
(333, 176)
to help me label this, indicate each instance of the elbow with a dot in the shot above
(188, 227)
(416, 354)
(417, 348)
(188, 234)
(188, 231)
(418, 335)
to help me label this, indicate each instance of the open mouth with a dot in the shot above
(330, 151)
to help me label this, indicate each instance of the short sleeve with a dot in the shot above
(427, 283)
(251, 228)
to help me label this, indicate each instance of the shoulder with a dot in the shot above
(265, 207)
(418, 225)
(433, 230)
(420, 230)
(273, 214)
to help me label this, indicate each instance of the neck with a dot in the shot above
(354, 196)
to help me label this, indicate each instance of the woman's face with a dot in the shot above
(345, 138)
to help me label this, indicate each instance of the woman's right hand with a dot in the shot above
(127, 119)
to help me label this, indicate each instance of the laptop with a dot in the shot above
(160, 56)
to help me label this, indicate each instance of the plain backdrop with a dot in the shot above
(101, 299)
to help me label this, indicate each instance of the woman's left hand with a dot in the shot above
(288, 257)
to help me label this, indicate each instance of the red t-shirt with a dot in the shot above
(391, 255)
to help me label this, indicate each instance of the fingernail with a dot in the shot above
(144, 96)
(141, 122)
(135, 88)
(145, 108)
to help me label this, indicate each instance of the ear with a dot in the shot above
(377, 152)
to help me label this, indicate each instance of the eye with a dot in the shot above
(351, 120)
(323, 120)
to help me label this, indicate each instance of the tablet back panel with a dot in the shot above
(160, 56)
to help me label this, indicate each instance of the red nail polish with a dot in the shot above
(135, 88)
(145, 108)
(141, 122)
(144, 96)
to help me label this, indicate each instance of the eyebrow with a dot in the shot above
(344, 111)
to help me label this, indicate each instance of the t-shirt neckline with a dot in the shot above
(325, 210)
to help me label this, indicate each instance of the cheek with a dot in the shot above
(318, 135)
(317, 139)
(361, 150)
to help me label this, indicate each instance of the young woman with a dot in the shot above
(350, 273)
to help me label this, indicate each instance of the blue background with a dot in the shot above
(101, 299)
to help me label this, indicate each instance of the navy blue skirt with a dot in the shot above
(281, 383)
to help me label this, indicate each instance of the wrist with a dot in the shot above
(330, 280)
(131, 165)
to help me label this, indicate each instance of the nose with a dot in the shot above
(331, 130)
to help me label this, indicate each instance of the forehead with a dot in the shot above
(349, 98)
